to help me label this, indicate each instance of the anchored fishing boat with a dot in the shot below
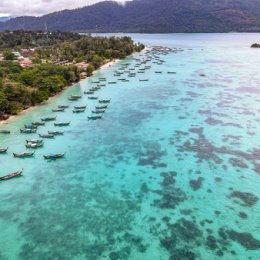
(62, 124)
(102, 107)
(88, 92)
(11, 175)
(93, 98)
(46, 136)
(34, 141)
(3, 150)
(63, 106)
(98, 111)
(54, 156)
(23, 155)
(45, 119)
(58, 110)
(94, 117)
(79, 110)
(55, 132)
(38, 123)
(34, 145)
(28, 131)
(105, 101)
(80, 107)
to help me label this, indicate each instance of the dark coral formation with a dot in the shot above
(246, 199)
(196, 184)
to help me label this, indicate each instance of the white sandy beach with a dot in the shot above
(13, 117)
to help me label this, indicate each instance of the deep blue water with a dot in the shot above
(171, 172)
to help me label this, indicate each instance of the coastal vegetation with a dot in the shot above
(255, 45)
(37, 65)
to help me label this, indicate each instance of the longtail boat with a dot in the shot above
(34, 141)
(73, 99)
(58, 110)
(104, 101)
(100, 111)
(112, 82)
(76, 96)
(34, 145)
(23, 155)
(54, 156)
(143, 79)
(48, 118)
(95, 82)
(80, 107)
(88, 92)
(94, 98)
(46, 136)
(38, 123)
(3, 150)
(55, 133)
(62, 124)
(94, 117)
(63, 106)
(31, 126)
(101, 85)
(4, 132)
(102, 107)
(79, 110)
(28, 131)
(11, 175)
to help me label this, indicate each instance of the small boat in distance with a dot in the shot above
(62, 124)
(45, 119)
(58, 110)
(79, 110)
(54, 156)
(80, 107)
(88, 92)
(94, 117)
(11, 175)
(55, 133)
(63, 106)
(34, 141)
(76, 96)
(38, 123)
(93, 98)
(34, 145)
(3, 150)
(28, 131)
(98, 111)
(102, 107)
(105, 101)
(23, 155)
(4, 132)
(46, 136)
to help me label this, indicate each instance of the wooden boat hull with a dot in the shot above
(3, 150)
(12, 175)
(62, 124)
(28, 131)
(4, 132)
(23, 155)
(52, 157)
(47, 136)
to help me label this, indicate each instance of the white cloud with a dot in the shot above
(41, 7)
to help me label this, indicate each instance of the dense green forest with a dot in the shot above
(149, 16)
(54, 65)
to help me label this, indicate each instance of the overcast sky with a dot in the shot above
(40, 7)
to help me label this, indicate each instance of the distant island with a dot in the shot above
(149, 16)
(36, 65)
(255, 45)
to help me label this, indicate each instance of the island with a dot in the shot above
(36, 65)
(255, 45)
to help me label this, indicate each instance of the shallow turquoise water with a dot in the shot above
(170, 172)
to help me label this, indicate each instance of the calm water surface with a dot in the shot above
(170, 173)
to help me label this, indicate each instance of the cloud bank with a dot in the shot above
(41, 7)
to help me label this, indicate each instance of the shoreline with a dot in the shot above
(13, 117)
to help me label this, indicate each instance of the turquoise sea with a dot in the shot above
(170, 173)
